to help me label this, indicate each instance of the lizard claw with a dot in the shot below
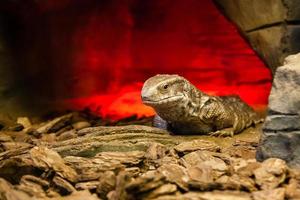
(222, 133)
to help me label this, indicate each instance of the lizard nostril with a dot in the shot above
(145, 98)
(145, 95)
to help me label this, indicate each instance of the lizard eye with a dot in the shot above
(166, 86)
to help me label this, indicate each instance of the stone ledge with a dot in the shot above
(281, 130)
(282, 123)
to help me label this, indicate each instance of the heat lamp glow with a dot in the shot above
(127, 101)
(114, 51)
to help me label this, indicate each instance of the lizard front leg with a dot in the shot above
(159, 122)
(214, 112)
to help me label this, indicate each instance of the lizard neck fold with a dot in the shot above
(196, 100)
(188, 108)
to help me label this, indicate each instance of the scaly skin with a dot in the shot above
(183, 109)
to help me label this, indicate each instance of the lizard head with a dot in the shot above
(162, 91)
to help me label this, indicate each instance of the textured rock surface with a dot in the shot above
(271, 26)
(281, 133)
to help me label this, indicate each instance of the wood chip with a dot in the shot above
(162, 190)
(156, 151)
(15, 145)
(127, 158)
(80, 195)
(81, 125)
(93, 168)
(25, 121)
(205, 158)
(274, 194)
(175, 174)
(64, 186)
(67, 135)
(134, 162)
(146, 182)
(49, 138)
(50, 160)
(87, 185)
(7, 192)
(271, 173)
(107, 183)
(195, 145)
(5, 138)
(55, 124)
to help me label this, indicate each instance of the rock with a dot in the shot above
(281, 131)
(239, 11)
(273, 34)
(286, 82)
(195, 145)
(282, 123)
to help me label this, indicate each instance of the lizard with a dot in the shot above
(181, 108)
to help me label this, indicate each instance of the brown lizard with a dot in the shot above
(183, 109)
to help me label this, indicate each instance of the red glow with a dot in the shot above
(116, 48)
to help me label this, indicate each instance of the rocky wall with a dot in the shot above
(281, 131)
(271, 26)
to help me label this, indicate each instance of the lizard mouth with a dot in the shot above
(162, 101)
